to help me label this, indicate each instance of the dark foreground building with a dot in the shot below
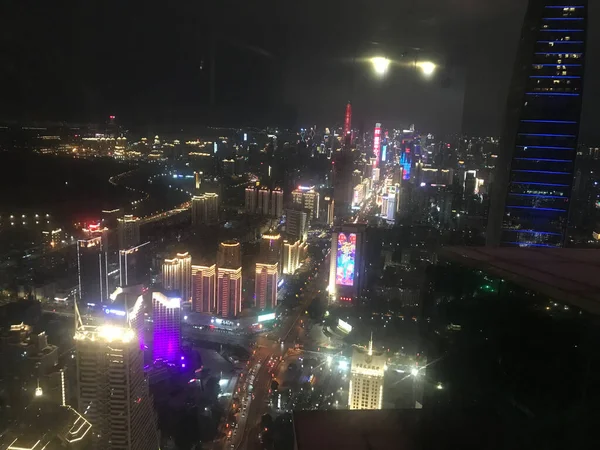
(531, 191)
(513, 362)
(516, 332)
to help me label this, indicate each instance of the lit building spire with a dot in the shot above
(371, 345)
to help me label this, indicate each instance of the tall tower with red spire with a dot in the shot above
(347, 122)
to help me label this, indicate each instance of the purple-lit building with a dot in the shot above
(166, 315)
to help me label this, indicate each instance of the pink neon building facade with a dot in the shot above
(166, 314)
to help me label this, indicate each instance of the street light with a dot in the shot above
(427, 67)
(380, 65)
(414, 371)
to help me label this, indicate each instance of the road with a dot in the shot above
(269, 346)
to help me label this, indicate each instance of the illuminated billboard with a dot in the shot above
(344, 326)
(265, 317)
(345, 259)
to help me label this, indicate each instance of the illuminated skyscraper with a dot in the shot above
(384, 206)
(347, 131)
(391, 205)
(265, 285)
(229, 292)
(532, 187)
(296, 224)
(129, 231)
(366, 379)
(177, 275)
(126, 309)
(330, 210)
(112, 390)
(250, 200)
(277, 202)
(307, 198)
(134, 265)
(229, 279)
(204, 288)
(294, 251)
(166, 316)
(263, 201)
(92, 271)
(377, 143)
(346, 270)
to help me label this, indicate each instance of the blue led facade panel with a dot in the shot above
(530, 204)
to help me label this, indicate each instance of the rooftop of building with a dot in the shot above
(564, 274)
(45, 424)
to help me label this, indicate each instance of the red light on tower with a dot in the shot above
(348, 119)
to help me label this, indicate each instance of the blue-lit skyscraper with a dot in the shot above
(534, 177)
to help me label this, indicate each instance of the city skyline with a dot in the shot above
(257, 241)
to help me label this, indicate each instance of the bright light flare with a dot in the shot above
(380, 65)
(427, 67)
(414, 371)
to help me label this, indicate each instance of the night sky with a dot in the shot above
(285, 62)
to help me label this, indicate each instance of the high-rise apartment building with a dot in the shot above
(250, 200)
(177, 275)
(92, 271)
(229, 255)
(212, 208)
(204, 288)
(270, 249)
(166, 317)
(265, 285)
(346, 270)
(128, 228)
(229, 279)
(296, 224)
(307, 198)
(532, 187)
(229, 292)
(294, 251)
(205, 209)
(199, 212)
(263, 201)
(277, 202)
(112, 390)
(366, 379)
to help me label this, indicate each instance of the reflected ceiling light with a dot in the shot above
(380, 65)
(427, 67)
